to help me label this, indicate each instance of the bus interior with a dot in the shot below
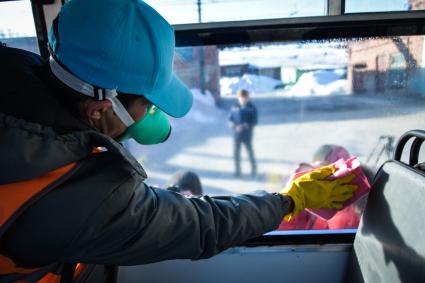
(323, 75)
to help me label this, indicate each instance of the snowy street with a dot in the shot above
(289, 132)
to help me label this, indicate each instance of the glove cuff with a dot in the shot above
(298, 199)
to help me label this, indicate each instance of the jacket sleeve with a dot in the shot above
(156, 224)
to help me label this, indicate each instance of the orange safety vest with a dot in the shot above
(17, 197)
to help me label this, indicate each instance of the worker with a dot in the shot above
(73, 202)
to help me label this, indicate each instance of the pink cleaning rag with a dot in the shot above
(343, 168)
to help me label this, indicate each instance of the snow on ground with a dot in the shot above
(203, 111)
(314, 83)
(319, 83)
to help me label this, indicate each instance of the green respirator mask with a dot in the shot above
(153, 128)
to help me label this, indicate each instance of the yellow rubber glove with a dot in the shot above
(312, 190)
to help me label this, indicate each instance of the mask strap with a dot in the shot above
(70, 80)
(119, 109)
(87, 89)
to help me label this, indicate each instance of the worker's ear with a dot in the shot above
(95, 109)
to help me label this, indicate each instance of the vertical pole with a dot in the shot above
(201, 53)
(43, 17)
(40, 29)
(199, 4)
(336, 7)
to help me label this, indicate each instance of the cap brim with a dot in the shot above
(175, 99)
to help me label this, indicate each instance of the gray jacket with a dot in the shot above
(103, 213)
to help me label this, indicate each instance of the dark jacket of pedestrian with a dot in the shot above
(244, 116)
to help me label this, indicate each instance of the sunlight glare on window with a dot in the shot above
(205, 11)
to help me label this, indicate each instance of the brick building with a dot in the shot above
(394, 64)
(417, 4)
(198, 67)
(387, 64)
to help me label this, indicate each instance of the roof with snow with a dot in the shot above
(292, 55)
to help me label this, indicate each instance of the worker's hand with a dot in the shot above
(312, 190)
(239, 128)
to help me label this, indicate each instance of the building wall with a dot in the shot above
(417, 4)
(187, 65)
(377, 65)
(237, 70)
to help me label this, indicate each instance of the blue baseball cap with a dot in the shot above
(123, 45)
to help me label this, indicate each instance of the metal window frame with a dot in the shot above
(297, 29)
(305, 237)
(40, 29)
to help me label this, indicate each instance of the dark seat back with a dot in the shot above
(390, 242)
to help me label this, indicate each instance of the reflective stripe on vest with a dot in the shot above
(15, 198)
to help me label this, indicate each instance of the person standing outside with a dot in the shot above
(242, 119)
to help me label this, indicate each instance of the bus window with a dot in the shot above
(185, 12)
(316, 100)
(361, 6)
(17, 25)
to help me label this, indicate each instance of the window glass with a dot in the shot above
(317, 101)
(205, 11)
(359, 6)
(17, 25)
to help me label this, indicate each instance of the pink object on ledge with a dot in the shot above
(343, 168)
